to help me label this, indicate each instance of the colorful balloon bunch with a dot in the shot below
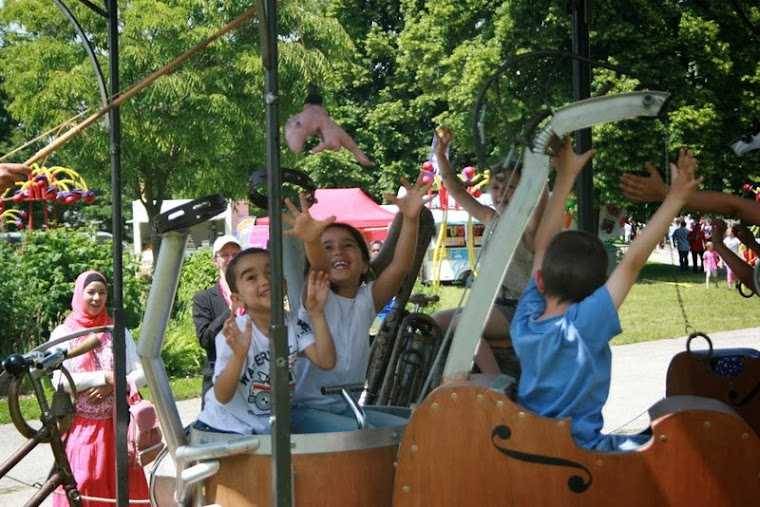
(57, 184)
(755, 190)
(469, 177)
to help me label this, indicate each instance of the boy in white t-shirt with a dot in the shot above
(240, 400)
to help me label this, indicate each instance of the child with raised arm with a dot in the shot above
(568, 313)
(239, 401)
(352, 304)
(494, 353)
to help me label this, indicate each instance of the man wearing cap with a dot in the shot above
(211, 307)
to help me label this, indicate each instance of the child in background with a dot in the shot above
(494, 353)
(710, 260)
(240, 399)
(568, 313)
(352, 304)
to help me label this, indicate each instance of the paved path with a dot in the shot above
(638, 381)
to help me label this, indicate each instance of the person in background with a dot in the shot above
(710, 261)
(374, 248)
(696, 247)
(211, 307)
(728, 249)
(91, 440)
(681, 239)
(12, 173)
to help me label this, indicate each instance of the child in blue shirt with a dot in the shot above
(568, 313)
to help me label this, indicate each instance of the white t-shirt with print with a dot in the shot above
(249, 409)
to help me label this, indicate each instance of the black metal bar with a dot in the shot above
(584, 187)
(119, 346)
(278, 335)
(87, 48)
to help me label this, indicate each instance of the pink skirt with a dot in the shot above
(91, 449)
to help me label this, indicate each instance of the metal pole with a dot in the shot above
(584, 186)
(278, 335)
(119, 347)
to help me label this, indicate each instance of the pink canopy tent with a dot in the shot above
(352, 206)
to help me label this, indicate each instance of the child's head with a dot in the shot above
(502, 183)
(709, 245)
(574, 266)
(347, 254)
(375, 247)
(248, 278)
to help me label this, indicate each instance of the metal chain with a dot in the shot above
(687, 326)
(666, 164)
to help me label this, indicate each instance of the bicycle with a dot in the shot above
(56, 417)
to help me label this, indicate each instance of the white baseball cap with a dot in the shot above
(223, 240)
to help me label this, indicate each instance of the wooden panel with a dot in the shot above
(693, 374)
(467, 445)
(351, 478)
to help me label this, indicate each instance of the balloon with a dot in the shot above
(468, 172)
(477, 193)
(427, 166)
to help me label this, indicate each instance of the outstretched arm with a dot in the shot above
(684, 184)
(653, 188)
(309, 231)
(568, 165)
(410, 205)
(456, 189)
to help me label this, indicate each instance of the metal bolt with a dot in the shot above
(453, 396)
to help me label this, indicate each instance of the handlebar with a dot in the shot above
(18, 364)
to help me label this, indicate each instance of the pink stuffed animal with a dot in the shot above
(313, 120)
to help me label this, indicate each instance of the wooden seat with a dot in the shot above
(729, 375)
(469, 445)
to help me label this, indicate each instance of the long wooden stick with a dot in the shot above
(57, 128)
(77, 129)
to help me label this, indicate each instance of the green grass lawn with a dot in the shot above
(651, 310)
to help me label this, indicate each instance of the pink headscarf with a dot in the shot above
(79, 318)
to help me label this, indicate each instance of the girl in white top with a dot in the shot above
(341, 251)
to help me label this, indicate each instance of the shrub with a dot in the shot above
(37, 281)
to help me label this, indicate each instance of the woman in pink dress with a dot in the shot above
(91, 441)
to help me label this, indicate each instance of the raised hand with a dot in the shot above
(239, 341)
(682, 176)
(568, 163)
(304, 225)
(412, 202)
(11, 173)
(644, 188)
(317, 290)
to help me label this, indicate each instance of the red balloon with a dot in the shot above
(426, 180)
(427, 166)
(747, 187)
(468, 172)
(477, 193)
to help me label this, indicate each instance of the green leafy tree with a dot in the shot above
(195, 131)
